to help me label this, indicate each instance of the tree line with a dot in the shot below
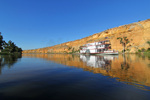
(8, 47)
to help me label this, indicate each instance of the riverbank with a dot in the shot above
(6, 53)
(79, 53)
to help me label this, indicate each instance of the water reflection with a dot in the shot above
(129, 69)
(8, 61)
(103, 62)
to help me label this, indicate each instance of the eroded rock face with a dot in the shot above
(138, 34)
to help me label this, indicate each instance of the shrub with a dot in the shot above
(128, 49)
(143, 49)
(148, 49)
(139, 50)
(148, 42)
(69, 48)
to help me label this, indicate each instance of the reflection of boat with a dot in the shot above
(110, 57)
(101, 47)
(97, 61)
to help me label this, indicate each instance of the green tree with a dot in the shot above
(9, 47)
(17, 49)
(124, 41)
(149, 45)
(1, 42)
(148, 42)
(6, 47)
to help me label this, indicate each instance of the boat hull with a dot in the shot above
(113, 53)
(103, 53)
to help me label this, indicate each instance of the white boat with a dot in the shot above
(98, 48)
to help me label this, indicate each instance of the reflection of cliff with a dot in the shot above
(135, 70)
(8, 60)
(137, 33)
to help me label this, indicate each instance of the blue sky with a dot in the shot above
(32, 24)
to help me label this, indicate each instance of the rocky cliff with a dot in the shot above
(138, 34)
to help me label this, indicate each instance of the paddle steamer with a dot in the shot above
(101, 47)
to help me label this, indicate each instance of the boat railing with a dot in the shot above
(110, 51)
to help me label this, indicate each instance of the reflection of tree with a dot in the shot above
(108, 65)
(124, 65)
(8, 60)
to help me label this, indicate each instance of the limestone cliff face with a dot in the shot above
(138, 34)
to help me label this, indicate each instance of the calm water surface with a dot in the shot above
(74, 77)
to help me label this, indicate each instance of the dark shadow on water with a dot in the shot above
(8, 60)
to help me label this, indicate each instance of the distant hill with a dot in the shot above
(138, 34)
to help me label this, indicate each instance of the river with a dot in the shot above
(74, 77)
